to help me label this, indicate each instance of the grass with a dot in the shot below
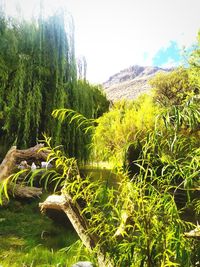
(29, 239)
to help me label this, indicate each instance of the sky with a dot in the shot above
(115, 34)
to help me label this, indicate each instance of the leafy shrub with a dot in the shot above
(172, 88)
(125, 124)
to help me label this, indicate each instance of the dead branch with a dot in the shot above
(8, 166)
(194, 233)
(22, 191)
(15, 155)
(72, 210)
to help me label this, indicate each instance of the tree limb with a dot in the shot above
(15, 155)
(72, 210)
(21, 191)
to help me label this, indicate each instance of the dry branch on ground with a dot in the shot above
(9, 165)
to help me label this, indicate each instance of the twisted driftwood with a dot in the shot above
(14, 156)
(8, 166)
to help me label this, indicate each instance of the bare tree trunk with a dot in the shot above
(8, 164)
(72, 210)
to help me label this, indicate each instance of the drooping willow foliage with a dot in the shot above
(37, 75)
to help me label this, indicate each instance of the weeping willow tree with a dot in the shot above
(37, 75)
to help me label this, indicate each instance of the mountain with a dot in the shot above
(131, 82)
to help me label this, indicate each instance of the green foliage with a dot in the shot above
(31, 239)
(137, 221)
(125, 124)
(65, 167)
(173, 132)
(38, 75)
(153, 235)
(172, 88)
(73, 116)
(169, 161)
(89, 101)
(3, 191)
(194, 63)
(175, 87)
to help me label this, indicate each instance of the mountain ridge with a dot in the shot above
(131, 82)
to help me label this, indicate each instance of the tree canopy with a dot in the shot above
(38, 74)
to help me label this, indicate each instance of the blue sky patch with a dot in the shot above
(172, 55)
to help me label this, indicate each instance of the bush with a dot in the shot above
(172, 88)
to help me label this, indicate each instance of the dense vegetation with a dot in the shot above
(39, 74)
(152, 144)
(154, 149)
(141, 219)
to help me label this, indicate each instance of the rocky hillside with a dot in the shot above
(131, 82)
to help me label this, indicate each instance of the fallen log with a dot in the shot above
(72, 210)
(9, 166)
(14, 156)
(21, 191)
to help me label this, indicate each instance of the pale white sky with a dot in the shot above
(115, 34)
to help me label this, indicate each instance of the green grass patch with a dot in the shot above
(28, 238)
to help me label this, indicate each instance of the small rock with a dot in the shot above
(24, 165)
(46, 165)
(82, 264)
(33, 166)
